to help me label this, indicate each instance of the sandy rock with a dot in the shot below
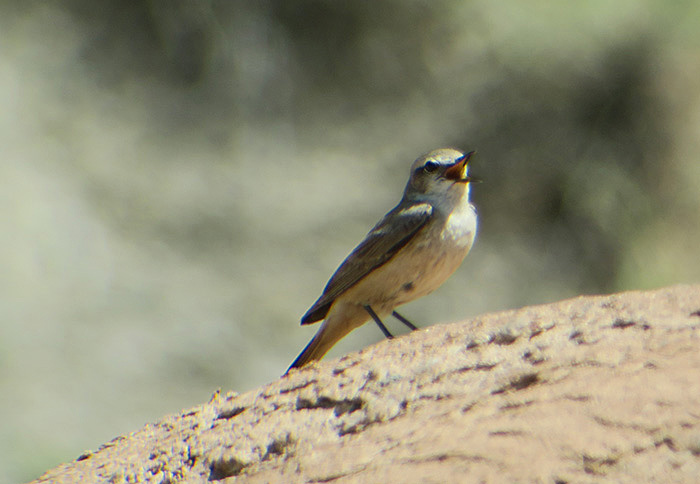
(592, 389)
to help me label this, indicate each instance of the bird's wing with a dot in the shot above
(392, 233)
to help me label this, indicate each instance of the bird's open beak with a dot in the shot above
(458, 171)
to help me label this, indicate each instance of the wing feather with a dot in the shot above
(385, 239)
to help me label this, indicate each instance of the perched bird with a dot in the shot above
(408, 254)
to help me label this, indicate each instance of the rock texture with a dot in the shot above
(593, 389)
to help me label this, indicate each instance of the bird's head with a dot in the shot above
(441, 176)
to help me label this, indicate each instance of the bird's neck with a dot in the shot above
(454, 200)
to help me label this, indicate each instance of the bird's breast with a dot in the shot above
(459, 227)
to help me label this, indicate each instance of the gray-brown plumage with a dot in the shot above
(408, 254)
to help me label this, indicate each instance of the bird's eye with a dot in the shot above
(430, 167)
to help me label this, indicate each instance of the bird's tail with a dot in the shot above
(327, 336)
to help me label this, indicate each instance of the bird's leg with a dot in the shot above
(378, 321)
(404, 321)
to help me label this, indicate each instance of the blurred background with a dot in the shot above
(180, 178)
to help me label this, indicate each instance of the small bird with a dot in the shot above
(407, 255)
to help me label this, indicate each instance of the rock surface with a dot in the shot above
(592, 389)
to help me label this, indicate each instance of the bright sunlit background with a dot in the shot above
(180, 178)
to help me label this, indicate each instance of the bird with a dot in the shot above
(408, 254)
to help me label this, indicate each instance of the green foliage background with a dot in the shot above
(180, 178)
